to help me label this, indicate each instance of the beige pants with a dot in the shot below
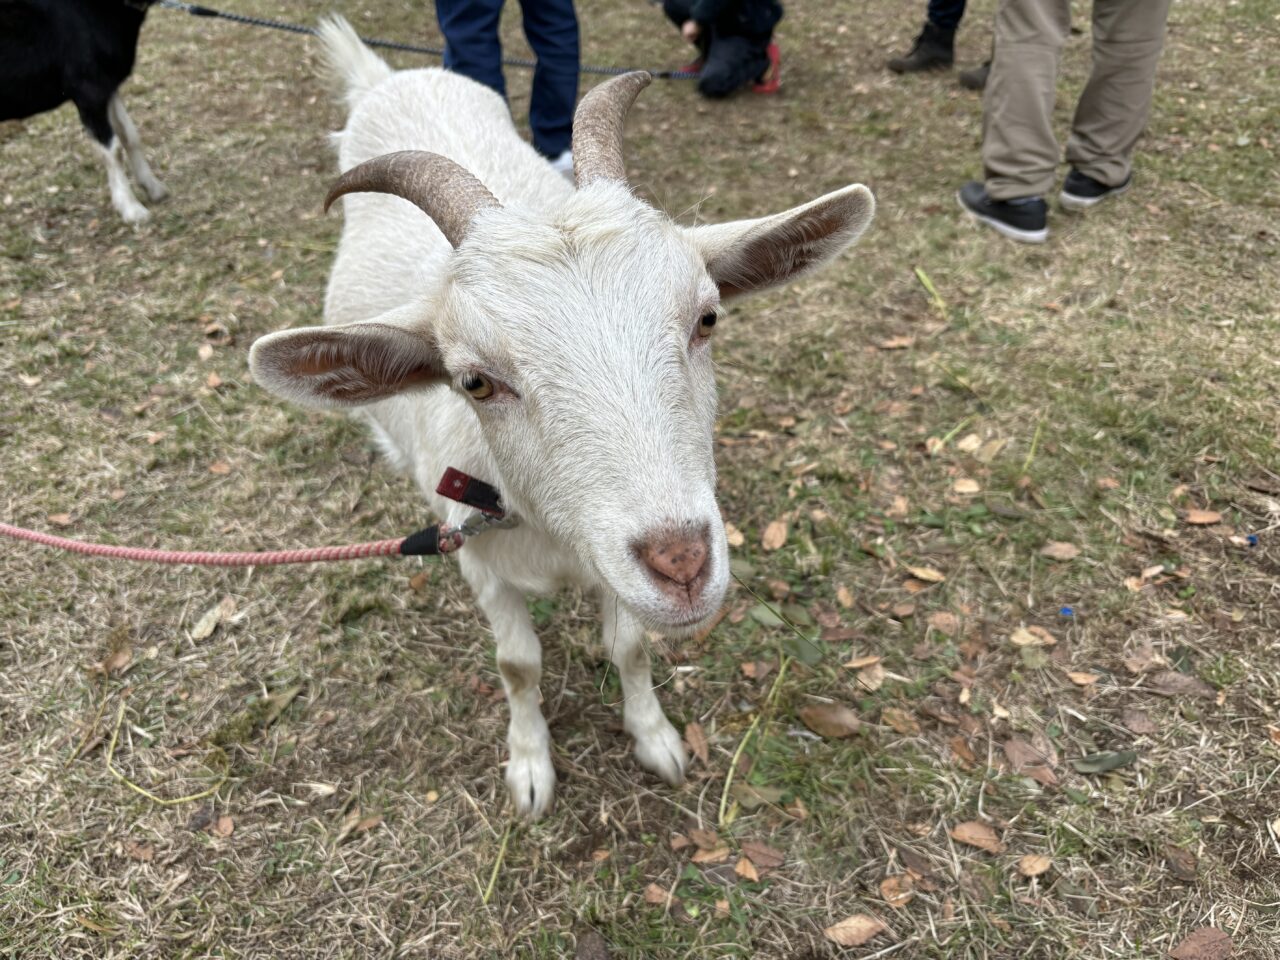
(1019, 151)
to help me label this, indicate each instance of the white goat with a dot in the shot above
(551, 341)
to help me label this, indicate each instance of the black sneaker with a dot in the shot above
(975, 79)
(934, 49)
(1080, 192)
(1023, 219)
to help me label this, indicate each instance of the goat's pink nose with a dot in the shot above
(679, 557)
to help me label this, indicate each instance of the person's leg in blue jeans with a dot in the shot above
(551, 27)
(472, 47)
(945, 14)
(934, 48)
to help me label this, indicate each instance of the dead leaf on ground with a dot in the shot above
(1137, 721)
(897, 891)
(716, 855)
(775, 535)
(966, 485)
(420, 580)
(220, 468)
(1028, 761)
(871, 677)
(844, 596)
(1060, 550)
(733, 535)
(927, 574)
(830, 719)
(901, 342)
(857, 663)
(705, 839)
(222, 611)
(762, 855)
(1207, 943)
(696, 738)
(1171, 683)
(656, 896)
(60, 519)
(855, 931)
(223, 826)
(1273, 733)
(901, 721)
(1033, 864)
(1032, 636)
(746, 869)
(1203, 517)
(977, 834)
(960, 747)
(903, 610)
(591, 946)
(1081, 678)
(1144, 659)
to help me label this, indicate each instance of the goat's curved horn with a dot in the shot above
(597, 128)
(437, 186)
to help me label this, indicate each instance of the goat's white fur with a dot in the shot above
(587, 304)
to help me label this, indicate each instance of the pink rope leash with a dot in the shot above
(355, 551)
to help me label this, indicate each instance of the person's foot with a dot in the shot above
(771, 79)
(934, 49)
(1080, 192)
(1023, 219)
(563, 164)
(975, 79)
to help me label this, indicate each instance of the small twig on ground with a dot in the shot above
(497, 865)
(937, 300)
(111, 750)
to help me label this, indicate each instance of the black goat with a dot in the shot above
(52, 51)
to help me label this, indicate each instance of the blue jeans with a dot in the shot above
(472, 48)
(945, 14)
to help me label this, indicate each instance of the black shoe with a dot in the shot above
(934, 49)
(976, 79)
(1080, 192)
(1023, 219)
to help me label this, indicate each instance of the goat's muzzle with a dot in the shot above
(677, 560)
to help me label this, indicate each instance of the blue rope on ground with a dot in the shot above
(196, 10)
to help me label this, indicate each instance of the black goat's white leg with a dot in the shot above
(122, 123)
(96, 118)
(658, 746)
(531, 778)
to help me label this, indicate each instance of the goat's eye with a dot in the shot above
(706, 324)
(479, 386)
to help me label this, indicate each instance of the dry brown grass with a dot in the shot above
(1139, 345)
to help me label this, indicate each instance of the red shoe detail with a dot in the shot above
(772, 78)
(694, 66)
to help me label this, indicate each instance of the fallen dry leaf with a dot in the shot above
(966, 485)
(1060, 550)
(1203, 518)
(722, 909)
(896, 343)
(679, 841)
(969, 443)
(718, 855)
(1207, 943)
(898, 509)
(1171, 683)
(222, 611)
(1030, 761)
(830, 719)
(205, 351)
(1274, 734)
(746, 869)
(223, 826)
(857, 663)
(1144, 659)
(977, 834)
(696, 738)
(60, 519)
(901, 721)
(897, 891)
(775, 535)
(591, 946)
(855, 931)
(762, 855)
(705, 839)
(1032, 637)
(1033, 864)
(733, 535)
(213, 381)
(927, 574)
(1082, 679)
(117, 660)
(656, 896)
(1137, 721)
(903, 610)
(420, 580)
(1182, 863)
(220, 468)
(844, 596)
(960, 747)
(871, 677)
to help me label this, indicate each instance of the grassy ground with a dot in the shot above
(1092, 392)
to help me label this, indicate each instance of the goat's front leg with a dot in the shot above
(530, 776)
(658, 745)
(122, 123)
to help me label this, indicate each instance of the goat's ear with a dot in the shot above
(750, 255)
(345, 366)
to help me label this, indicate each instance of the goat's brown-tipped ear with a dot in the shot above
(345, 366)
(750, 255)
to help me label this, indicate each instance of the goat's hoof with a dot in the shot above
(532, 781)
(156, 191)
(135, 214)
(661, 751)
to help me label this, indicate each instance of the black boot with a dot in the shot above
(934, 49)
(976, 78)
